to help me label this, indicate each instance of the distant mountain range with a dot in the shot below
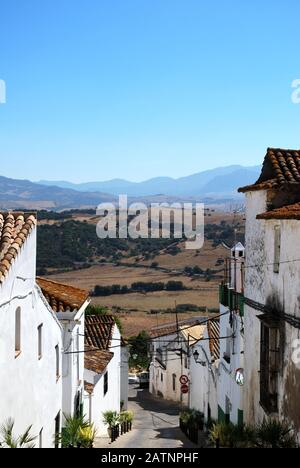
(220, 181)
(17, 194)
(216, 185)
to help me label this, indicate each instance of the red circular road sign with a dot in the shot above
(184, 389)
(184, 379)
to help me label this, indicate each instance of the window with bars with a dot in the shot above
(269, 365)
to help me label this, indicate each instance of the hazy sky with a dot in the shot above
(101, 89)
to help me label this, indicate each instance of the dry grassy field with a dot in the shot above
(140, 311)
(134, 308)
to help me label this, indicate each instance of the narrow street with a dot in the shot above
(155, 424)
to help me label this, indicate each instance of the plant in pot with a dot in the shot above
(87, 436)
(110, 419)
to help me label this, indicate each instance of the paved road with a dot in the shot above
(155, 424)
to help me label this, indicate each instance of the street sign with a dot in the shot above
(185, 389)
(184, 380)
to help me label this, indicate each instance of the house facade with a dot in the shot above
(30, 337)
(69, 305)
(204, 372)
(170, 352)
(218, 366)
(272, 272)
(106, 370)
(231, 365)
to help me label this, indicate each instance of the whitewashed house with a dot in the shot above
(272, 275)
(204, 375)
(231, 365)
(106, 370)
(30, 337)
(170, 351)
(69, 305)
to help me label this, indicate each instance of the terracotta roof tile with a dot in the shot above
(88, 387)
(14, 230)
(62, 297)
(286, 212)
(99, 331)
(213, 328)
(171, 328)
(97, 360)
(280, 168)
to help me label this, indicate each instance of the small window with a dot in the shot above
(41, 439)
(18, 332)
(277, 242)
(40, 341)
(105, 383)
(57, 362)
(161, 377)
(174, 382)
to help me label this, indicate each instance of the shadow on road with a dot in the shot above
(153, 404)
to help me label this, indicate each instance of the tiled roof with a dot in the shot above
(171, 328)
(286, 212)
(88, 387)
(97, 360)
(62, 297)
(14, 230)
(213, 328)
(99, 331)
(281, 167)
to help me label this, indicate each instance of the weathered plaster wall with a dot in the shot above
(256, 256)
(279, 291)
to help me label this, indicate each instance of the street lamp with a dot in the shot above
(196, 357)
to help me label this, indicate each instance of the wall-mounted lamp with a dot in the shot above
(196, 357)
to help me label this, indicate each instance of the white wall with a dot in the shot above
(73, 363)
(98, 403)
(161, 380)
(30, 392)
(204, 379)
(227, 386)
(280, 290)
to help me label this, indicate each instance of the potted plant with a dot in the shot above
(87, 436)
(110, 419)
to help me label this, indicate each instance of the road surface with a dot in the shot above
(155, 424)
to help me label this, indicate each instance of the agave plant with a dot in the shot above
(9, 440)
(274, 434)
(72, 433)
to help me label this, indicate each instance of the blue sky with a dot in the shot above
(134, 89)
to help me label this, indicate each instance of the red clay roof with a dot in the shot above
(286, 212)
(281, 167)
(62, 297)
(171, 328)
(213, 328)
(99, 331)
(14, 230)
(88, 387)
(97, 360)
